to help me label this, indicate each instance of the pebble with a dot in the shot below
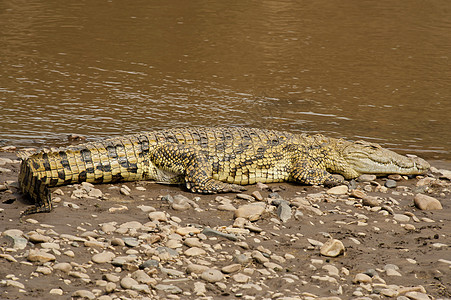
(96, 193)
(395, 177)
(169, 288)
(247, 197)
(103, 257)
(332, 270)
(158, 216)
(257, 195)
(338, 190)
(142, 277)
(425, 202)
(308, 209)
(370, 201)
(38, 238)
(401, 218)
(196, 269)
(128, 282)
(84, 294)
(252, 212)
(199, 288)
(110, 287)
(417, 296)
(212, 275)
(231, 268)
(241, 278)
(358, 194)
(65, 267)
(15, 283)
(332, 248)
(362, 278)
(366, 178)
(195, 251)
(146, 208)
(40, 256)
(259, 257)
(187, 230)
(58, 292)
(44, 270)
(273, 266)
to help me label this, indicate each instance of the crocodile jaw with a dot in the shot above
(370, 158)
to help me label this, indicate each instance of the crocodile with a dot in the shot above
(208, 160)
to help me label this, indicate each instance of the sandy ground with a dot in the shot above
(375, 238)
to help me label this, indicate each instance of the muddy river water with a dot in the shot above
(357, 69)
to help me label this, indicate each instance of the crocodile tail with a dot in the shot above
(34, 186)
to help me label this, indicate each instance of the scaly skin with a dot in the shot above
(208, 160)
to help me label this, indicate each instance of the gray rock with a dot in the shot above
(275, 195)
(167, 198)
(151, 263)
(242, 259)
(131, 241)
(390, 183)
(211, 232)
(18, 242)
(284, 211)
(171, 252)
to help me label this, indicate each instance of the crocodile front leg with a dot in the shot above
(194, 166)
(305, 172)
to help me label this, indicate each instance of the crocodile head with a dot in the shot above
(369, 158)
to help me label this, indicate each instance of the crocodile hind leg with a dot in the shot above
(193, 165)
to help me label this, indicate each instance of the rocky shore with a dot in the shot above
(378, 238)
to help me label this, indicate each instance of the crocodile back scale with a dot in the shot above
(207, 160)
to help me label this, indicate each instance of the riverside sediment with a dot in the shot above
(142, 240)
